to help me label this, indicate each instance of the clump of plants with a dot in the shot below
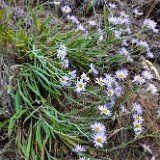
(75, 84)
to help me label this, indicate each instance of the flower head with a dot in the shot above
(62, 47)
(153, 158)
(80, 86)
(146, 148)
(147, 75)
(137, 108)
(73, 73)
(118, 89)
(61, 54)
(100, 81)
(108, 80)
(110, 91)
(136, 12)
(138, 118)
(113, 20)
(65, 63)
(112, 5)
(65, 81)
(95, 71)
(80, 27)
(138, 134)
(137, 126)
(152, 88)
(99, 139)
(123, 109)
(78, 149)
(74, 19)
(122, 74)
(84, 77)
(138, 79)
(150, 24)
(92, 23)
(83, 158)
(104, 110)
(98, 127)
(57, 3)
(66, 9)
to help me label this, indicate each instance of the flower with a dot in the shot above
(80, 27)
(92, 23)
(122, 20)
(108, 80)
(138, 118)
(136, 12)
(66, 9)
(137, 126)
(98, 127)
(122, 74)
(100, 81)
(146, 148)
(147, 75)
(158, 112)
(138, 134)
(118, 90)
(150, 54)
(126, 54)
(101, 38)
(93, 69)
(112, 5)
(104, 110)
(65, 81)
(152, 88)
(74, 19)
(123, 109)
(125, 42)
(84, 77)
(99, 139)
(79, 148)
(135, 40)
(153, 158)
(138, 79)
(113, 20)
(137, 108)
(110, 91)
(80, 86)
(61, 54)
(150, 24)
(62, 47)
(65, 63)
(73, 73)
(57, 3)
(83, 158)
(124, 51)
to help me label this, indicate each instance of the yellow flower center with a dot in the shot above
(139, 79)
(65, 10)
(104, 110)
(100, 82)
(97, 129)
(137, 125)
(137, 118)
(80, 85)
(121, 75)
(63, 79)
(110, 92)
(99, 140)
(147, 148)
(151, 89)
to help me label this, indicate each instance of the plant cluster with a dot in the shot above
(76, 82)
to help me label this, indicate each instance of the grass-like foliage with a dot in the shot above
(72, 85)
